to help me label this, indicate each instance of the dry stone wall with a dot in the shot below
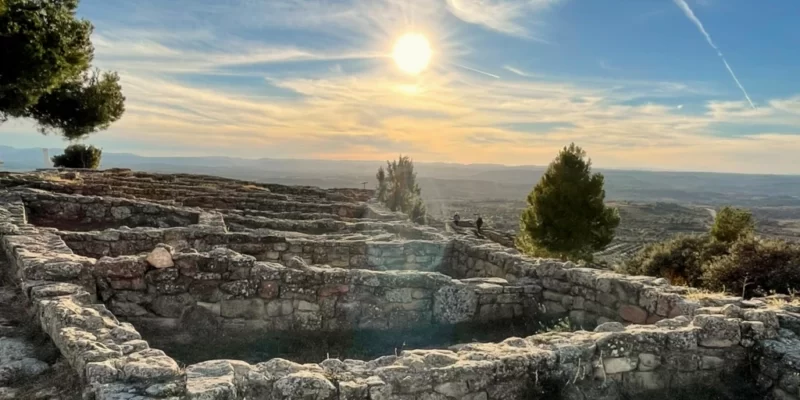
(589, 296)
(80, 212)
(358, 253)
(225, 289)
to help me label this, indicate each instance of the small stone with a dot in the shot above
(160, 258)
(610, 327)
(620, 364)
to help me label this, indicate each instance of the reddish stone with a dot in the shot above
(268, 290)
(633, 314)
(333, 290)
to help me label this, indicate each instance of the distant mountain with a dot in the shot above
(452, 182)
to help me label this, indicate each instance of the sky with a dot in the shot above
(699, 85)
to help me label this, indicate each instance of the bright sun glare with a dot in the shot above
(412, 53)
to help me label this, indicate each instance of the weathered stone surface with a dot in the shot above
(171, 305)
(160, 257)
(454, 304)
(718, 331)
(304, 385)
(211, 380)
(633, 314)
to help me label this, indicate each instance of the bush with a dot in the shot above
(78, 156)
(732, 224)
(756, 267)
(680, 260)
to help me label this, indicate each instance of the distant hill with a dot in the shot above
(452, 182)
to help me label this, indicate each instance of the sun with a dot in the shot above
(412, 53)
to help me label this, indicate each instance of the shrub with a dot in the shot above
(680, 260)
(756, 267)
(78, 156)
(399, 191)
(731, 224)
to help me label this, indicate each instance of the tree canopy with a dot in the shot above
(398, 189)
(731, 224)
(566, 215)
(46, 74)
(78, 156)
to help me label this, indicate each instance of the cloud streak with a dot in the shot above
(504, 16)
(690, 14)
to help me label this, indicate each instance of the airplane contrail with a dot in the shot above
(690, 14)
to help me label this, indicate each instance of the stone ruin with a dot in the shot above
(104, 255)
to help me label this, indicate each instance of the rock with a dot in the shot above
(633, 314)
(211, 380)
(160, 257)
(153, 368)
(620, 364)
(17, 361)
(610, 327)
(717, 331)
(454, 304)
(304, 385)
(171, 305)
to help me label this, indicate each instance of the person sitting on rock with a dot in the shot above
(479, 223)
(456, 218)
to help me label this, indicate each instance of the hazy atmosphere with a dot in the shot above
(701, 85)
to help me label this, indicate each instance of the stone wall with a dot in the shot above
(589, 296)
(227, 289)
(323, 225)
(614, 362)
(93, 212)
(360, 253)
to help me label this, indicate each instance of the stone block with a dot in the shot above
(717, 331)
(242, 308)
(633, 314)
(648, 362)
(268, 289)
(618, 365)
(171, 305)
(644, 381)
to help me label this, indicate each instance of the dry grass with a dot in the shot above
(254, 187)
(704, 294)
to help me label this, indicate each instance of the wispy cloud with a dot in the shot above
(690, 14)
(477, 70)
(516, 71)
(505, 16)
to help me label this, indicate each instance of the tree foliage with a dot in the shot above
(729, 257)
(398, 189)
(45, 73)
(731, 224)
(680, 259)
(78, 156)
(566, 215)
(756, 267)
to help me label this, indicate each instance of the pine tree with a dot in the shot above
(731, 224)
(566, 215)
(398, 189)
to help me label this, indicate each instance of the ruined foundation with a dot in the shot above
(103, 256)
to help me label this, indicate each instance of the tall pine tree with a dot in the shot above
(566, 215)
